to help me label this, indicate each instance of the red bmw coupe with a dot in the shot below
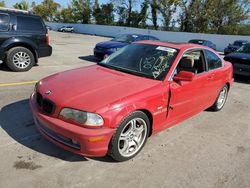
(114, 106)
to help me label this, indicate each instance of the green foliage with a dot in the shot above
(201, 16)
(2, 4)
(244, 29)
(167, 8)
(47, 9)
(103, 15)
(212, 16)
(64, 16)
(154, 9)
(23, 5)
(81, 11)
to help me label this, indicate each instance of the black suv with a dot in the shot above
(23, 39)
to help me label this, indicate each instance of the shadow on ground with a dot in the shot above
(89, 58)
(3, 67)
(242, 79)
(17, 121)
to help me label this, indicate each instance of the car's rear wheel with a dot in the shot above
(221, 99)
(130, 137)
(20, 59)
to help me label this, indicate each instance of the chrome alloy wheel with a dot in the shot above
(222, 97)
(132, 137)
(21, 60)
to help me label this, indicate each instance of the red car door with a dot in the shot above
(190, 97)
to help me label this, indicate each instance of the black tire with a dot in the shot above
(114, 150)
(217, 106)
(10, 59)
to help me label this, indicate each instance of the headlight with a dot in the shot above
(113, 49)
(83, 118)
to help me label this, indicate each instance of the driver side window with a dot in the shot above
(192, 61)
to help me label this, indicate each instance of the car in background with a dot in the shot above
(23, 39)
(66, 29)
(113, 107)
(240, 60)
(203, 43)
(232, 47)
(106, 48)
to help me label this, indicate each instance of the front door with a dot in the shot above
(189, 97)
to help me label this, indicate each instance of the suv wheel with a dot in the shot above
(20, 59)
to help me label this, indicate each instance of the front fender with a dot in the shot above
(116, 116)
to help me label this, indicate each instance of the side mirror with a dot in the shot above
(184, 76)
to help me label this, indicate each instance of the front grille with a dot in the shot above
(45, 105)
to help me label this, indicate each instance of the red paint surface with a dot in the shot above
(114, 95)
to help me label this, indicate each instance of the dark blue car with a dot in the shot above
(232, 47)
(106, 48)
(203, 43)
(240, 60)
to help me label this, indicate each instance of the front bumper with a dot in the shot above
(76, 139)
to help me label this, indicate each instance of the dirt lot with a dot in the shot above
(208, 150)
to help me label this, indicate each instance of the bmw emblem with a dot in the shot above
(48, 92)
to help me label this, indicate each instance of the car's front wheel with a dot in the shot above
(221, 99)
(20, 59)
(130, 137)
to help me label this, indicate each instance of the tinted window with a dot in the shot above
(4, 22)
(141, 38)
(29, 23)
(244, 49)
(152, 38)
(213, 60)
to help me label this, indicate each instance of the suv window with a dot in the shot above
(4, 22)
(26, 23)
(213, 61)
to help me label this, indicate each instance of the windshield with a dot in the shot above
(244, 49)
(125, 38)
(143, 60)
(238, 43)
(196, 41)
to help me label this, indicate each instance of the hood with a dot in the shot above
(92, 88)
(112, 44)
(244, 56)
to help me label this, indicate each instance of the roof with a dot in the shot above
(13, 10)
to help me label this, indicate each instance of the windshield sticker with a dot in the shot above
(166, 49)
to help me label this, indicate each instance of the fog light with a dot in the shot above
(74, 141)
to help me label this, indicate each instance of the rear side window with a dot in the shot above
(4, 22)
(213, 61)
(25, 23)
